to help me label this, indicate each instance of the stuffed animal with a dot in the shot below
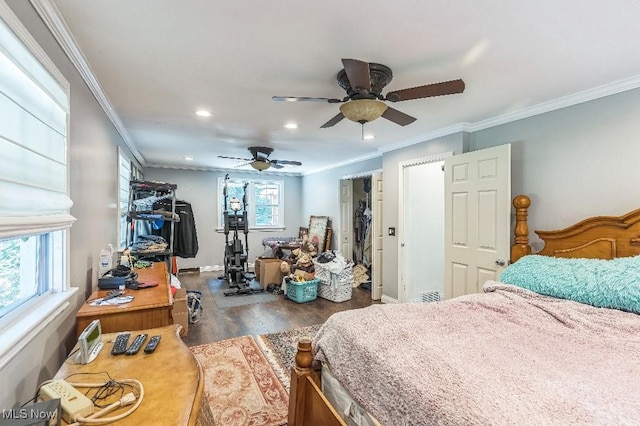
(285, 268)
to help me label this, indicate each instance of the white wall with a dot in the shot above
(199, 188)
(93, 173)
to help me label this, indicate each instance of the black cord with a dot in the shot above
(71, 354)
(105, 391)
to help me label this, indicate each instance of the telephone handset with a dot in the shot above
(90, 342)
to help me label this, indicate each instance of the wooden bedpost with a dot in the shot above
(307, 404)
(521, 245)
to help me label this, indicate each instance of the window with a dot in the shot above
(264, 203)
(34, 200)
(127, 171)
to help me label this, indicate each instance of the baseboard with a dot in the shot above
(188, 270)
(387, 299)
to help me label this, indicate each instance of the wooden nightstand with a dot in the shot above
(150, 308)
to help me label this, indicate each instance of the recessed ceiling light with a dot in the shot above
(203, 113)
(188, 157)
(291, 126)
(368, 137)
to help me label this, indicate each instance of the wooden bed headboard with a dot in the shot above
(599, 237)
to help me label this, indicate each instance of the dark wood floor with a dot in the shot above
(258, 318)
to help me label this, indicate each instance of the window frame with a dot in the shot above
(251, 201)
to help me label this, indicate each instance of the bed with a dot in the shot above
(555, 341)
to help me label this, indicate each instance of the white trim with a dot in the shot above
(559, 103)
(345, 163)
(608, 89)
(446, 131)
(219, 169)
(400, 235)
(53, 19)
(361, 174)
(387, 299)
(27, 327)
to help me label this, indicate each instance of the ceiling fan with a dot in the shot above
(260, 159)
(363, 82)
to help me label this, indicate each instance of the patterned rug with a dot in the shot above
(280, 349)
(241, 387)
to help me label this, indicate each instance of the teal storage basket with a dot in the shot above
(304, 291)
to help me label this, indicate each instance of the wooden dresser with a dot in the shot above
(171, 376)
(150, 308)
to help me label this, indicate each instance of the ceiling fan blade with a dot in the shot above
(235, 158)
(276, 165)
(246, 163)
(358, 74)
(286, 162)
(305, 99)
(398, 117)
(430, 90)
(333, 121)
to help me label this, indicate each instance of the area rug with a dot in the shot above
(222, 301)
(240, 385)
(280, 349)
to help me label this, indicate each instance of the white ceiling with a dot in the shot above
(160, 60)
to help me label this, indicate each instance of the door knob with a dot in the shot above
(500, 262)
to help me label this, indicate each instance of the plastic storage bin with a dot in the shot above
(303, 291)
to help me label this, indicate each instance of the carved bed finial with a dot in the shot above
(521, 245)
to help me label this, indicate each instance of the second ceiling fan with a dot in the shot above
(363, 82)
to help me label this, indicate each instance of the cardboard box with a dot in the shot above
(270, 272)
(180, 312)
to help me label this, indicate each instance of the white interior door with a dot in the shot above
(478, 213)
(422, 230)
(377, 235)
(346, 218)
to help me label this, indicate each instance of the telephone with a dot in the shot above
(90, 342)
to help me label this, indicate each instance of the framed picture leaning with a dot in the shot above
(318, 231)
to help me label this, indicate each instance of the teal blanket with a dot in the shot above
(602, 283)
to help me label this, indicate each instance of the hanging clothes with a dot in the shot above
(185, 235)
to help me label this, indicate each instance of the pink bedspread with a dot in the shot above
(508, 356)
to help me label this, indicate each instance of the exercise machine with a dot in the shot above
(235, 255)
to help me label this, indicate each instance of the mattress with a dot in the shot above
(340, 398)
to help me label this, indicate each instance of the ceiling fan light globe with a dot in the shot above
(363, 110)
(260, 165)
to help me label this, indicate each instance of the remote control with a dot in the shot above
(112, 294)
(120, 345)
(152, 345)
(136, 345)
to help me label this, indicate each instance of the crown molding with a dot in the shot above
(52, 18)
(344, 163)
(608, 89)
(445, 131)
(219, 169)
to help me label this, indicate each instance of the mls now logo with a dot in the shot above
(42, 413)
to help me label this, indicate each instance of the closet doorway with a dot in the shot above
(421, 229)
(361, 227)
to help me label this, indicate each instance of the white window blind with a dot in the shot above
(34, 106)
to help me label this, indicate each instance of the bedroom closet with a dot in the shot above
(361, 240)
